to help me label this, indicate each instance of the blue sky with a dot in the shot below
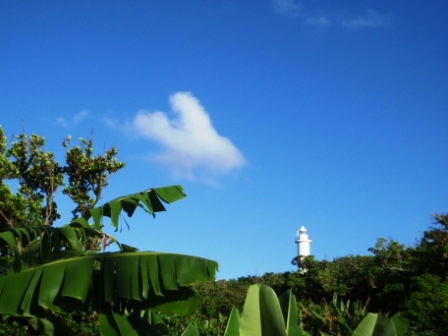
(271, 114)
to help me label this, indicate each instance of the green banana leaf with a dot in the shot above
(36, 245)
(190, 331)
(375, 325)
(148, 279)
(264, 315)
(401, 324)
(233, 325)
(156, 321)
(119, 285)
(288, 305)
(50, 325)
(150, 201)
(112, 323)
(42, 244)
(44, 325)
(261, 315)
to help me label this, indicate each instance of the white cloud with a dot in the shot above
(371, 19)
(191, 146)
(78, 117)
(324, 18)
(61, 122)
(111, 123)
(289, 8)
(321, 21)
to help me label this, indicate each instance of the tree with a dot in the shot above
(391, 254)
(88, 175)
(426, 304)
(351, 276)
(431, 255)
(39, 176)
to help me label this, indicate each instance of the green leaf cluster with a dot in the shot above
(119, 285)
(87, 174)
(36, 175)
(265, 314)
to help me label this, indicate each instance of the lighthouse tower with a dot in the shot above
(303, 243)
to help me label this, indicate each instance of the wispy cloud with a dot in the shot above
(61, 122)
(321, 21)
(191, 146)
(76, 119)
(289, 8)
(111, 123)
(324, 18)
(370, 19)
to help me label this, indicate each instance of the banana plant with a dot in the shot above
(265, 314)
(51, 270)
(379, 325)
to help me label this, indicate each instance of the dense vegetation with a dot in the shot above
(412, 281)
(333, 297)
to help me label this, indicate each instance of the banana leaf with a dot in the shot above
(233, 325)
(261, 315)
(53, 272)
(36, 245)
(136, 279)
(288, 305)
(375, 325)
(150, 201)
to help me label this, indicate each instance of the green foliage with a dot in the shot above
(58, 271)
(88, 174)
(81, 322)
(123, 279)
(351, 276)
(338, 317)
(379, 325)
(220, 296)
(431, 256)
(391, 254)
(119, 285)
(265, 314)
(173, 325)
(281, 282)
(12, 326)
(39, 176)
(427, 303)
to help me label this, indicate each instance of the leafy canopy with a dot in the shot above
(38, 176)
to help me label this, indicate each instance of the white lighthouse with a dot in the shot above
(303, 243)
